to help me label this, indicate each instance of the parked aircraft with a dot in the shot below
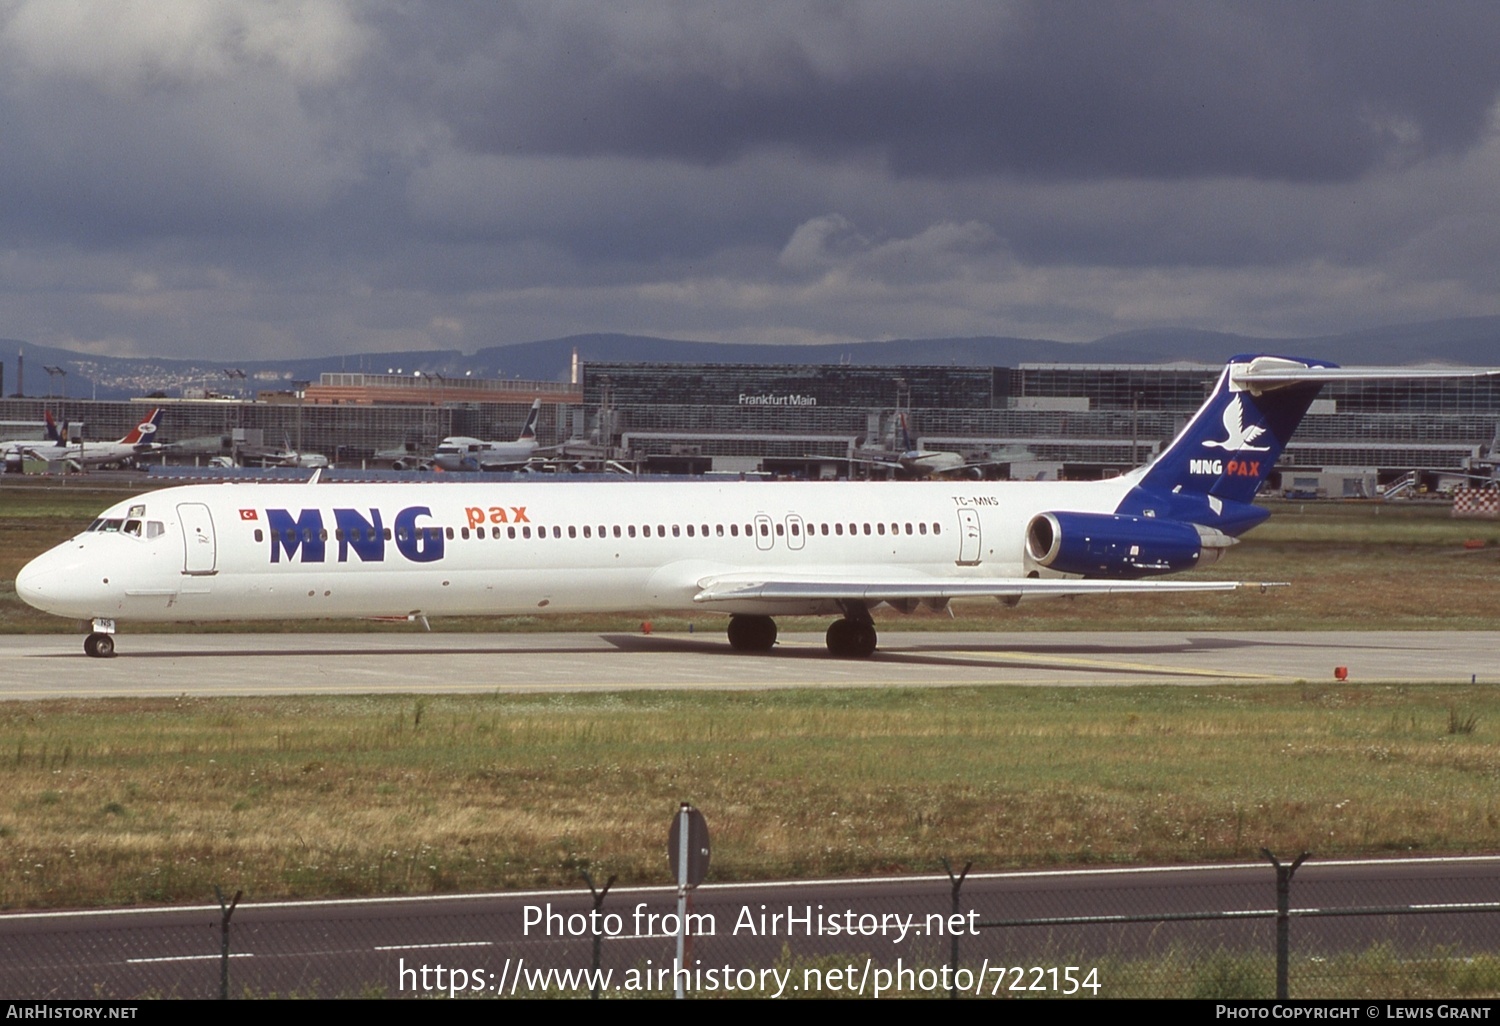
(910, 459)
(460, 452)
(751, 550)
(408, 456)
(286, 456)
(138, 441)
(18, 449)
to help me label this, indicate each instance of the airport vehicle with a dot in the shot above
(752, 550)
(460, 452)
(138, 441)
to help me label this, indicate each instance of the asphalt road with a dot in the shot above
(54, 666)
(793, 938)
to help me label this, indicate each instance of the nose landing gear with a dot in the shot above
(100, 644)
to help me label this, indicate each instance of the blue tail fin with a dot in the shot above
(1210, 473)
(528, 432)
(56, 435)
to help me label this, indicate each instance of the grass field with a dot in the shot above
(126, 802)
(149, 801)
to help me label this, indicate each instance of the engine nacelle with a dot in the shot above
(1110, 545)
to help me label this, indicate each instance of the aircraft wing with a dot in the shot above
(905, 588)
(868, 461)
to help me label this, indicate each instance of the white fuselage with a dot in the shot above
(268, 550)
(462, 453)
(16, 449)
(96, 454)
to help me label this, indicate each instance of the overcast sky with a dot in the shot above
(261, 179)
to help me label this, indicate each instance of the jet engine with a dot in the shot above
(1111, 545)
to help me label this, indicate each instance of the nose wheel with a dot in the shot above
(100, 646)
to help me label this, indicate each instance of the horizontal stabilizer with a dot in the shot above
(1268, 372)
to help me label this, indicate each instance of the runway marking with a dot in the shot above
(423, 947)
(450, 688)
(1102, 664)
(187, 958)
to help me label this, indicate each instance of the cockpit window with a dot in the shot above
(111, 525)
(133, 527)
(155, 529)
(95, 525)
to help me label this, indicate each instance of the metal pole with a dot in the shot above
(1135, 427)
(682, 889)
(1283, 918)
(956, 882)
(598, 936)
(225, 911)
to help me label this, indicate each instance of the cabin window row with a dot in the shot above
(765, 529)
(307, 534)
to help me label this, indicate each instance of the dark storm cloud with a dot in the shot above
(1295, 91)
(320, 175)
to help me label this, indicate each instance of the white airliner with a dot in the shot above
(752, 550)
(286, 456)
(138, 441)
(18, 449)
(460, 452)
(913, 460)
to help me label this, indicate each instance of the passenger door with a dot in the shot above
(969, 540)
(200, 549)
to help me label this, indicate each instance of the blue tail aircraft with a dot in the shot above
(749, 550)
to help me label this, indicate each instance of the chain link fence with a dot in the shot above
(1391, 930)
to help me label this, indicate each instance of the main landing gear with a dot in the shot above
(852, 637)
(752, 633)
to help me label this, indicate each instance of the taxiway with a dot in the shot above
(54, 666)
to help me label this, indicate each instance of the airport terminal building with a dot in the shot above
(1072, 420)
(1028, 421)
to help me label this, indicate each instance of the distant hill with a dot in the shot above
(1467, 341)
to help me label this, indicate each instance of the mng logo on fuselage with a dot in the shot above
(304, 538)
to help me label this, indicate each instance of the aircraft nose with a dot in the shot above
(54, 583)
(31, 583)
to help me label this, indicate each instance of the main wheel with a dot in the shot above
(839, 637)
(865, 640)
(752, 633)
(100, 646)
(850, 640)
